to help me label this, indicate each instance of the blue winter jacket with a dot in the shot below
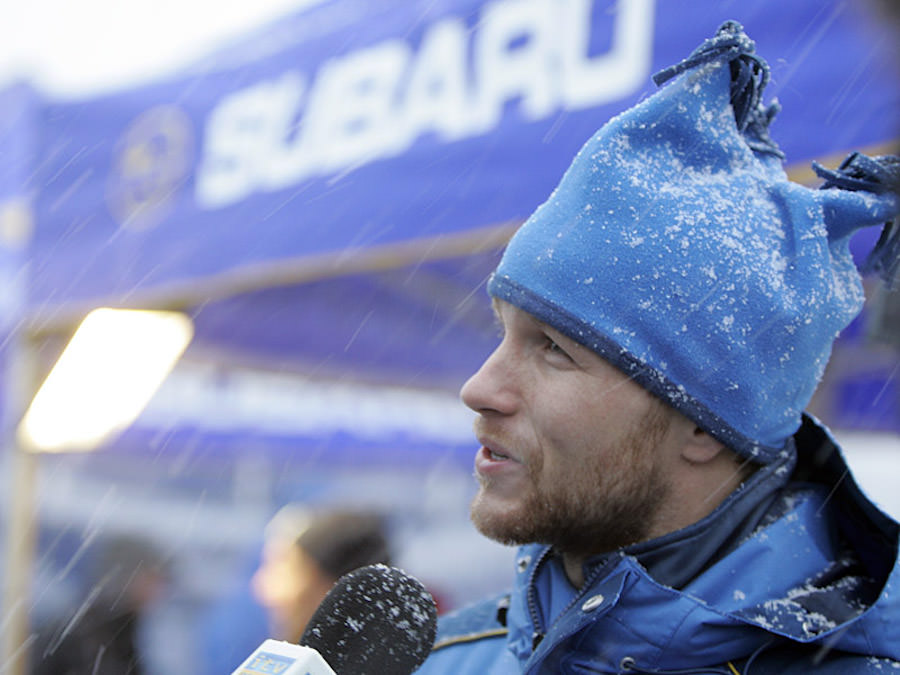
(796, 572)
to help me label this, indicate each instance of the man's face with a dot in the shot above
(290, 585)
(569, 444)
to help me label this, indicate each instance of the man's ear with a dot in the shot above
(700, 447)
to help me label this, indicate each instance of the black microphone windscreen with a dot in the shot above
(376, 620)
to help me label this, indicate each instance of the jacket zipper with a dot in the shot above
(539, 631)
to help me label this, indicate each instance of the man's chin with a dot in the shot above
(503, 522)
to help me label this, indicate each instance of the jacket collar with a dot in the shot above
(833, 597)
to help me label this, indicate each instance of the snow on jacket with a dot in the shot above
(795, 572)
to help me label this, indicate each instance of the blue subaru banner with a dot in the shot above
(358, 127)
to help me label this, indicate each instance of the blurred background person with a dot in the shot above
(101, 635)
(304, 554)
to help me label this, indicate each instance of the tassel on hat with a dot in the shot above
(677, 249)
(878, 176)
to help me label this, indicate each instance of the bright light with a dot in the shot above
(91, 47)
(108, 372)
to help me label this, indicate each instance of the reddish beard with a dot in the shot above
(606, 505)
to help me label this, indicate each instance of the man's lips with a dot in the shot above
(495, 451)
(494, 460)
(495, 456)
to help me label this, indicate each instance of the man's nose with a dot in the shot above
(491, 388)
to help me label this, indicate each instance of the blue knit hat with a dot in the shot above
(676, 248)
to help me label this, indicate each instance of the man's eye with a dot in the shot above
(554, 348)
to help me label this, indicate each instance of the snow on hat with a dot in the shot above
(676, 248)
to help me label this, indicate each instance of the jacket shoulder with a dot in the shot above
(471, 640)
(481, 620)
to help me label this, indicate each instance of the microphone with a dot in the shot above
(376, 620)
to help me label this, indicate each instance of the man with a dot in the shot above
(304, 554)
(667, 315)
(101, 635)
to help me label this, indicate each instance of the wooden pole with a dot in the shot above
(21, 523)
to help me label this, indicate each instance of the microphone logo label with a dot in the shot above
(266, 662)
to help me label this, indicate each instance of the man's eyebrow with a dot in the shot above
(558, 335)
(550, 330)
(543, 325)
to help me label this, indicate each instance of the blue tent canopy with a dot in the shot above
(330, 194)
